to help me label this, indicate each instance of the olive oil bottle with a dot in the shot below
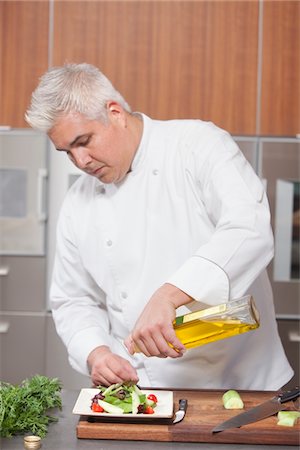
(217, 322)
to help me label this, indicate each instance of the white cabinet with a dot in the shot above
(279, 164)
(23, 192)
(22, 283)
(289, 331)
(22, 346)
(22, 317)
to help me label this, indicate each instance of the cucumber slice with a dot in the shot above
(232, 400)
(135, 402)
(111, 388)
(288, 418)
(112, 409)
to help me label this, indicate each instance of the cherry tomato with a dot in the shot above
(149, 410)
(97, 408)
(152, 397)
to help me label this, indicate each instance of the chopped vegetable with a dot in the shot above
(108, 407)
(148, 410)
(123, 398)
(135, 401)
(97, 408)
(232, 400)
(287, 418)
(152, 398)
(23, 407)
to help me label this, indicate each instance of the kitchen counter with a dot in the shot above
(62, 436)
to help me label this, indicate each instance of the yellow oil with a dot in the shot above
(200, 332)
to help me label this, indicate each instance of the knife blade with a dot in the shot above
(259, 412)
(179, 415)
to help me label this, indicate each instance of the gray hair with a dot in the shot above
(80, 88)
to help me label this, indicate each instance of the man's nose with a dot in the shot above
(81, 157)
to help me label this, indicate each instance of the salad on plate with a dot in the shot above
(123, 398)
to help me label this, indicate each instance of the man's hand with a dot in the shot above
(153, 333)
(108, 368)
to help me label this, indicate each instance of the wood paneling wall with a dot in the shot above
(24, 56)
(170, 59)
(280, 100)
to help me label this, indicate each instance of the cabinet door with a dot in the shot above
(289, 331)
(22, 347)
(23, 55)
(180, 59)
(280, 91)
(280, 161)
(22, 283)
(23, 192)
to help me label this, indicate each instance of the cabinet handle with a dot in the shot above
(41, 210)
(294, 336)
(4, 270)
(4, 326)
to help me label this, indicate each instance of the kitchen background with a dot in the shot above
(235, 63)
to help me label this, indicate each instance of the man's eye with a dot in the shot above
(84, 143)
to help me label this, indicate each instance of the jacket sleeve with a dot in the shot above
(241, 244)
(77, 303)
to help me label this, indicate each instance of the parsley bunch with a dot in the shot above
(23, 407)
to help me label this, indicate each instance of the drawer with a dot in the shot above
(22, 283)
(22, 345)
(289, 331)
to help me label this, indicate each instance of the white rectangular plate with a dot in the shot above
(163, 409)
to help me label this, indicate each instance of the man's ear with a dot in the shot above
(115, 111)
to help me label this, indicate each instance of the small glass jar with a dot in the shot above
(32, 442)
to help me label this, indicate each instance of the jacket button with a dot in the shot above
(155, 172)
(109, 243)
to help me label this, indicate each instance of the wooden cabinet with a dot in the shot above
(23, 56)
(280, 89)
(235, 63)
(169, 59)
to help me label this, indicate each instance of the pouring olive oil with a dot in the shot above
(217, 322)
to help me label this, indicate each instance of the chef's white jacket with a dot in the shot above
(192, 213)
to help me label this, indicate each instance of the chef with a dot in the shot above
(168, 217)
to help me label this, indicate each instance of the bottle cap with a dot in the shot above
(32, 442)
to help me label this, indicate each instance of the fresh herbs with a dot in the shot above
(23, 407)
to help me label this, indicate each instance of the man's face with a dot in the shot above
(104, 151)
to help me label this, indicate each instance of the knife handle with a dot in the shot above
(183, 404)
(293, 394)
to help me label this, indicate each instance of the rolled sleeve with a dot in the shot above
(214, 288)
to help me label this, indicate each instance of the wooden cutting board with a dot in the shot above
(205, 411)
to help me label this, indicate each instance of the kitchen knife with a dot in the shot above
(179, 415)
(259, 412)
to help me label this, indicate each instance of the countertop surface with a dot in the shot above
(62, 436)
